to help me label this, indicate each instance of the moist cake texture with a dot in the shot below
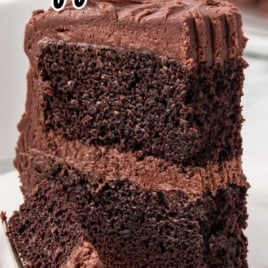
(134, 111)
(48, 232)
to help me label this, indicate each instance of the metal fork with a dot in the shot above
(12, 248)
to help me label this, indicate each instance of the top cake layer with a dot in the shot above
(189, 31)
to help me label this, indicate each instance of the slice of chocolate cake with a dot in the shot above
(141, 102)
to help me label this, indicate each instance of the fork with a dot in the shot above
(13, 251)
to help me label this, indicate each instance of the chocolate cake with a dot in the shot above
(134, 110)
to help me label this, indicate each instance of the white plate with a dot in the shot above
(256, 170)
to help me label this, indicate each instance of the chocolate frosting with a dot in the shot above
(84, 256)
(150, 173)
(191, 31)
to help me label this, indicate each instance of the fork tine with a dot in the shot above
(12, 248)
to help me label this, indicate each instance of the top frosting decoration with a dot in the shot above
(191, 30)
(154, 5)
(146, 10)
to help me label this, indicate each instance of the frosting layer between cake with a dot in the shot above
(150, 173)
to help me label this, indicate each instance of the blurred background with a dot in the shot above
(14, 14)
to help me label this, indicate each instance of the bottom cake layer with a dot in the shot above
(46, 232)
(130, 226)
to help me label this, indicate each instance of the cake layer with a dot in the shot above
(140, 102)
(190, 31)
(46, 232)
(130, 226)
